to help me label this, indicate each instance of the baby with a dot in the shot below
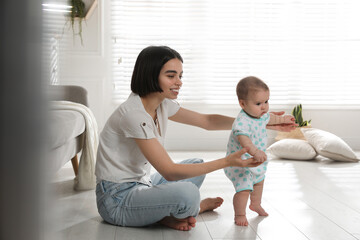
(249, 131)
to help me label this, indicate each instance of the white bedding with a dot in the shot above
(85, 179)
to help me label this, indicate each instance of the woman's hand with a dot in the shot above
(285, 127)
(235, 160)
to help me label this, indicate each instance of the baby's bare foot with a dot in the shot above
(179, 224)
(258, 209)
(241, 220)
(209, 204)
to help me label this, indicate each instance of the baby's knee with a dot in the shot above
(243, 193)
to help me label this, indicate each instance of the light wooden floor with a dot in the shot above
(305, 199)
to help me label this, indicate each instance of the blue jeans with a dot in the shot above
(136, 204)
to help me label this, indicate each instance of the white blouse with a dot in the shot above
(119, 158)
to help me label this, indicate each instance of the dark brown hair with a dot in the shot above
(145, 77)
(249, 84)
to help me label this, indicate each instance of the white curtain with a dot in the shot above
(307, 51)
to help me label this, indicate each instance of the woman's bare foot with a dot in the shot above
(259, 210)
(209, 204)
(179, 224)
(241, 220)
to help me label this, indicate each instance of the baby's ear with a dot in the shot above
(242, 103)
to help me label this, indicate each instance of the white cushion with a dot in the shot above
(329, 145)
(296, 149)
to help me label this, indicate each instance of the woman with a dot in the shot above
(132, 140)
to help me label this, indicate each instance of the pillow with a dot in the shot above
(296, 149)
(329, 145)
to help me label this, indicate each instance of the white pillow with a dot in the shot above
(329, 145)
(296, 149)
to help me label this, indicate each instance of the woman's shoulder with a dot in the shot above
(129, 111)
(171, 106)
(132, 114)
(132, 102)
(127, 121)
(131, 106)
(170, 102)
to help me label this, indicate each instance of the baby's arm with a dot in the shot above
(283, 119)
(245, 142)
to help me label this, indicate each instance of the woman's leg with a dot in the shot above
(171, 203)
(134, 204)
(146, 205)
(157, 178)
(207, 204)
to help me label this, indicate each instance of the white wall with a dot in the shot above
(88, 66)
(341, 122)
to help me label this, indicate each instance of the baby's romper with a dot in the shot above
(255, 129)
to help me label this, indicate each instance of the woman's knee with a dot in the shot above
(192, 160)
(195, 180)
(188, 193)
(197, 160)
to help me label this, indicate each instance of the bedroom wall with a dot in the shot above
(88, 66)
(341, 122)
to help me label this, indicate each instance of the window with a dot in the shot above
(307, 51)
(53, 27)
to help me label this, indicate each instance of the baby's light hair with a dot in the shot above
(249, 84)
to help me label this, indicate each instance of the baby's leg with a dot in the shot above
(255, 199)
(240, 201)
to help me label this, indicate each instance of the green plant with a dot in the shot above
(297, 113)
(77, 13)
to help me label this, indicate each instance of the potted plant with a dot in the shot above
(297, 113)
(296, 133)
(77, 13)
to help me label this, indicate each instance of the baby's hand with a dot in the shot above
(260, 156)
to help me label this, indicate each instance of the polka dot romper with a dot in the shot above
(255, 129)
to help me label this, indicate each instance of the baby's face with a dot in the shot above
(257, 103)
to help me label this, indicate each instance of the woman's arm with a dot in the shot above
(283, 119)
(283, 127)
(161, 161)
(205, 121)
(220, 122)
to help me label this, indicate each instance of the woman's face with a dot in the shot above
(257, 103)
(170, 78)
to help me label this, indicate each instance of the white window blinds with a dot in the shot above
(53, 27)
(307, 51)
